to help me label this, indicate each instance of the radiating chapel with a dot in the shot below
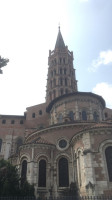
(67, 139)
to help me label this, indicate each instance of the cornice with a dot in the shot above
(56, 127)
(107, 130)
(89, 94)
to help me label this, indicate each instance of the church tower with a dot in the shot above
(61, 74)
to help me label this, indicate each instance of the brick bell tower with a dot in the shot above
(61, 74)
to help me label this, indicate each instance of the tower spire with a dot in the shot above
(59, 42)
(61, 73)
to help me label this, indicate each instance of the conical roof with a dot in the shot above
(59, 42)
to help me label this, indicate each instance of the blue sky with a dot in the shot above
(29, 29)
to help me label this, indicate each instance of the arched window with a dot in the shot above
(50, 95)
(54, 82)
(0, 144)
(42, 174)
(55, 61)
(108, 154)
(54, 93)
(84, 115)
(23, 171)
(71, 83)
(61, 81)
(33, 115)
(65, 70)
(40, 112)
(51, 84)
(3, 121)
(60, 118)
(54, 72)
(63, 172)
(66, 81)
(71, 115)
(18, 144)
(60, 70)
(66, 91)
(95, 116)
(51, 73)
(60, 60)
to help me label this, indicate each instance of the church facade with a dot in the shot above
(67, 139)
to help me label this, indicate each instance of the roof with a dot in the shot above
(59, 42)
(75, 94)
(41, 140)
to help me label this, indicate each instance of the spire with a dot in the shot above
(59, 42)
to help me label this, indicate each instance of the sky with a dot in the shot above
(28, 30)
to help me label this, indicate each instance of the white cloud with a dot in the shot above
(105, 90)
(105, 58)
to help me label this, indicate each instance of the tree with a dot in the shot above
(3, 62)
(10, 181)
(72, 191)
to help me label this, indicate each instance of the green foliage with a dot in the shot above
(3, 62)
(10, 181)
(72, 191)
(27, 189)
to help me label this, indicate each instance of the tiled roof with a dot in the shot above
(41, 140)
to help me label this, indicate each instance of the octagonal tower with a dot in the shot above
(61, 73)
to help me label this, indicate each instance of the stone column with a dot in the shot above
(32, 167)
(88, 165)
(90, 111)
(55, 177)
(76, 111)
(8, 145)
(55, 116)
(100, 114)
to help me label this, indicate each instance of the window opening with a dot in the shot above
(18, 144)
(60, 60)
(21, 121)
(42, 174)
(84, 115)
(66, 81)
(33, 115)
(71, 115)
(3, 121)
(61, 81)
(95, 115)
(60, 118)
(61, 91)
(23, 172)
(60, 70)
(51, 84)
(12, 121)
(64, 71)
(40, 112)
(64, 60)
(63, 173)
(54, 82)
(0, 144)
(54, 93)
(108, 154)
